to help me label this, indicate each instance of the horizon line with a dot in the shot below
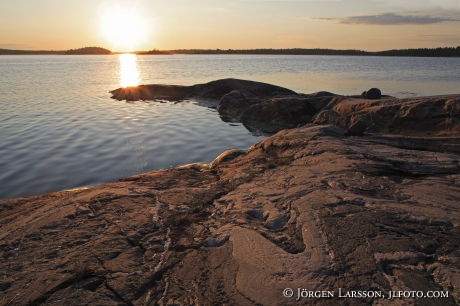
(454, 51)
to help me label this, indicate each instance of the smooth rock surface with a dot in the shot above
(305, 208)
(419, 116)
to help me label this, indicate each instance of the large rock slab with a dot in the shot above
(270, 115)
(306, 208)
(433, 115)
(268, 108)
(212, 90)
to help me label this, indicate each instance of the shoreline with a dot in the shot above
(438, 140)
(255, 222)
(349, 117)
(340, 201)
(415, 52)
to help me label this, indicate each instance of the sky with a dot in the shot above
(129, 25)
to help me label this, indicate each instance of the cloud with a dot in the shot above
(391, 19)
(424, 4)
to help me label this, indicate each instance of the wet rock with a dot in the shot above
(273, 114)
(265, 108)
(277, 114)
(153, 92)
(232, 105)
(212, 90)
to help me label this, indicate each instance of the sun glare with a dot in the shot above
(129, 72)
(123, 28)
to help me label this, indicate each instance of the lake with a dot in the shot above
(59, 128)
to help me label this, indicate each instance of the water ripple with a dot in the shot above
(59, 129)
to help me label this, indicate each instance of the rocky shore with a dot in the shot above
(360, 194)
(269, 108)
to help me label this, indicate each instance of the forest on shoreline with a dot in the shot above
(418, 52)
(422, 52)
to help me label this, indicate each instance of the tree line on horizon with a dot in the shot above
(80, 51)
(420, 52)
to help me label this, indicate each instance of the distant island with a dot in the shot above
(418, 52)
(30, 52)
(88, 51)
(80, 51)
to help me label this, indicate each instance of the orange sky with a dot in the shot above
(237, 24)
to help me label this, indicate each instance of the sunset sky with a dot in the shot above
(131, 25)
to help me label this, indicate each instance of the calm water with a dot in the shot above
(59, 129)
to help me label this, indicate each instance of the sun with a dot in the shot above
(123, 28)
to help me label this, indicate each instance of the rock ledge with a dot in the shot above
(305, 208)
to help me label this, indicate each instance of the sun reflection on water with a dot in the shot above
(129, 72)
